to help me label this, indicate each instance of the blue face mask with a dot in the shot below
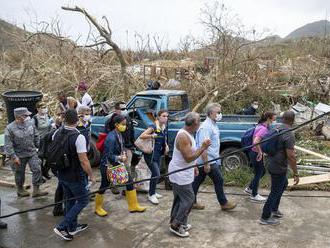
(275, 125)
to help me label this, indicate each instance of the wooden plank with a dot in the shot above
(311, 179)
(12, 185)
(312, 153)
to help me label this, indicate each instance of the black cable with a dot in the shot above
(173, 172)
(285, 195)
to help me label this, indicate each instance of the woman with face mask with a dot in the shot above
(113, 155)
(84, 124)
(256, 156)
(44, 124)
(158, 132)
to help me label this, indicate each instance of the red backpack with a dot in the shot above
(100, 142)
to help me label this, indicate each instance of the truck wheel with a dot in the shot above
(94, 155)
(235, 160)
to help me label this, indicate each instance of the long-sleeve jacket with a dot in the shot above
(21, 140)
(113, 148)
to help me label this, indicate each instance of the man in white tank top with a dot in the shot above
(184, 155)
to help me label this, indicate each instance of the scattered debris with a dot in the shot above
(311, 179)
(312, 153)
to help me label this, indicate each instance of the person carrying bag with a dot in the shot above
(153, 143)
(113, 170)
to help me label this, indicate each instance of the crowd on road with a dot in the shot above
(62, 145)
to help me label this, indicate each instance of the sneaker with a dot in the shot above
(258, 198)
(79, 228)
(187, 227)
(277, 214)
(198, 206)
(153, 199)
(158, 196)
(179, 231)
(248, 191)
(63, 233)
(270, 221)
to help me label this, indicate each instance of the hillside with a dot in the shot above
(314, 29)
(9, 35)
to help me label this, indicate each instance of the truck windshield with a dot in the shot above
(177, 103)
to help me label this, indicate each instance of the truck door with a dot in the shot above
(142, 111)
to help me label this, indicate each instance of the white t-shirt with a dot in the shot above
(87, 100)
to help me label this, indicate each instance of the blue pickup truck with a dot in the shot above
(144, 105)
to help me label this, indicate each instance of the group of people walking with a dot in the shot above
(194, 143)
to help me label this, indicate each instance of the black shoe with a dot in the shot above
(47, 176)
(45, 173)
(58, 211)
(3, 225)
(115, 190)
(79, 228)
(63, 233)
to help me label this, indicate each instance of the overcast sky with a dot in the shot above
(170, 18)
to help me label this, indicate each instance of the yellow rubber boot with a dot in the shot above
(99, 205)
(133, 205)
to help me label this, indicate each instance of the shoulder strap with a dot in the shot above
(36, 122)
(66, 136)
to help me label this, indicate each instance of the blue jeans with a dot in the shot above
(153, 165)
(73, 207)
(217, 179)
(279, 183)
(259, 172)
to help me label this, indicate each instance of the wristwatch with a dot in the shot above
(296, 175)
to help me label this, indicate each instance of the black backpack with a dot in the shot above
(58, 148)
(44, 142)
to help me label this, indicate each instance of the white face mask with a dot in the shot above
(218, 117)
(27, 119)
(87, 118)
(44, 111)
(124, 112)
(255, 106)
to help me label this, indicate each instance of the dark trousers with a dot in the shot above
(182, 203)
(217, 179)
(279, 184)
(73, 207)
(105, 182)
(259, 172)
(59, 195)
(153, 166)
(34, 163)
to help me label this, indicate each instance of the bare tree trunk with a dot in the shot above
(106, 33)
